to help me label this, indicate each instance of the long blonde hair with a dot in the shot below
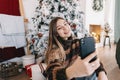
(53, 41)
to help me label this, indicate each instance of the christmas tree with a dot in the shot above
(47, 10)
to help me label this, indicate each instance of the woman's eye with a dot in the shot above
(59, 28)
(66, 24)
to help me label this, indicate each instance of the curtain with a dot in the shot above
(117, 21)
(10, 7)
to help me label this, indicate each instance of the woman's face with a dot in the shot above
(63, 29)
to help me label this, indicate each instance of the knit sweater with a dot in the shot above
(56, 70)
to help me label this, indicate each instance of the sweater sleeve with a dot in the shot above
(55, 71)
(101, 68)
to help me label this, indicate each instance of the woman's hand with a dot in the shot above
(82, 67)
(102, 76)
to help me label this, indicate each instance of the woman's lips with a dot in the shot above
(66, 32)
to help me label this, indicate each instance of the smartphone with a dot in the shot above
(87, 46)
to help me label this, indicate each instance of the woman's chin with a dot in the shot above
(68, 35)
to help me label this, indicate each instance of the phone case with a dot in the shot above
(87, 46)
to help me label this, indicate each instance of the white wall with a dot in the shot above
(109, 15)
(93, 17)
(29, 11)
(29, 8)
(100, 17)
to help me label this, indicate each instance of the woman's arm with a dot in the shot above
(82, 68)
(102, 76)
(101, 73)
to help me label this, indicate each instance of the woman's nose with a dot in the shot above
(65, 28)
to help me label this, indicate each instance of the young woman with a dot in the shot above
(62, 56)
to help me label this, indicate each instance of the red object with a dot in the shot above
(73, 26)
(33, 40)
(10, 7)
(28, 70)
(40, 35)
(11, 52)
